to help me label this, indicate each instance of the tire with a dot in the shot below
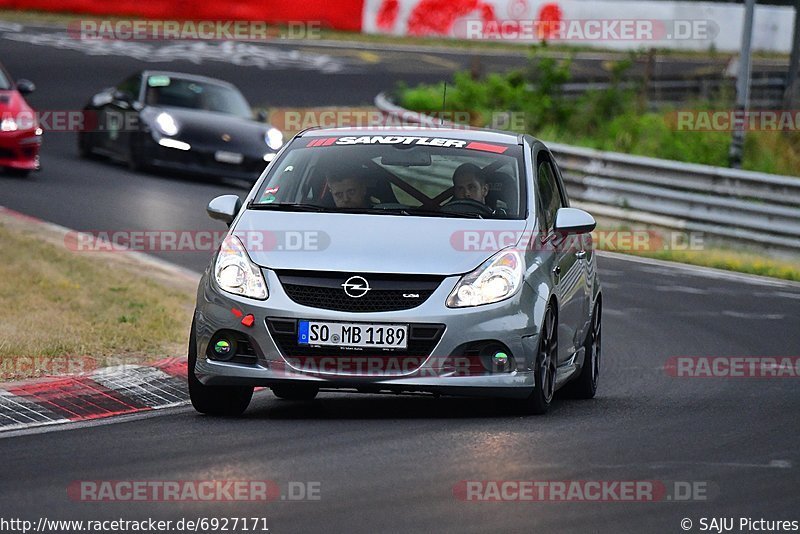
(538, 402)
(214, 400)
(136, 161)
(585, 385)
(298, 393)
(84, 150)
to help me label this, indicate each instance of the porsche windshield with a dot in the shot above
(398, 175)
(169, 91)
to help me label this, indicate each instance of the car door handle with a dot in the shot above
(580, 254)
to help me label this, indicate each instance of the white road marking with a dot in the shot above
(754, 315)
(234, 52)
(10, 26)
(682, 289)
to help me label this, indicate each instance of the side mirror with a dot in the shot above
(574, 221)
(122, 96)
(224, 208)
(25, 87)
(262, 115)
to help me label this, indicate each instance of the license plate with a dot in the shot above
(228, 157)
(376, 336)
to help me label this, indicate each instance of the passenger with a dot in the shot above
(469, 183)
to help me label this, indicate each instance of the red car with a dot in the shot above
(20, 134)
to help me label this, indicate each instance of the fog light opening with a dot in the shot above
(222, 347)
(496, 358)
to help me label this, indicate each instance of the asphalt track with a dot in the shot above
(386, 463)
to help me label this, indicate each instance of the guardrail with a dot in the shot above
(732, 205)
(766, 90)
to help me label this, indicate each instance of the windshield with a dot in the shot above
(398, 175)
(4, 83)
(175, 92)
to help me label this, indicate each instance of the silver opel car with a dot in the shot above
(398, 260)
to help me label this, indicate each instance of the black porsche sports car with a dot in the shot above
(180, 122)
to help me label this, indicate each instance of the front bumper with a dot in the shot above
(20, 150)
(510, 322)
(200, 160)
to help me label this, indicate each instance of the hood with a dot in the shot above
(13, 102)
(201, 127)
(365, 243)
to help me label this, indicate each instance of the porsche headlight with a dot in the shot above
(236, 273)
(274, 138)
(166, 123)
(498, 278)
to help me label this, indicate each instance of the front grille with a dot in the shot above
(387, 292)
(206, 160)
(422, 338)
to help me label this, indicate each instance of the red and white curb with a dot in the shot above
(106, 392)
(119, 390)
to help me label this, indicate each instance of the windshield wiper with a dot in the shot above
(288, 207)
(318, 209)
(409, 211)
(422, 212)
(436, 213)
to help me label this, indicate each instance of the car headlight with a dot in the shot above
(236, 273)
(166, 123)
(9, 125)
(274, 138)
(498, 278)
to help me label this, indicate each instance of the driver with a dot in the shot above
(349, 191)
(469, 183)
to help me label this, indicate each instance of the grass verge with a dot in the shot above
(66, 311)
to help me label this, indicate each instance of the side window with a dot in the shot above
(549, 195)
